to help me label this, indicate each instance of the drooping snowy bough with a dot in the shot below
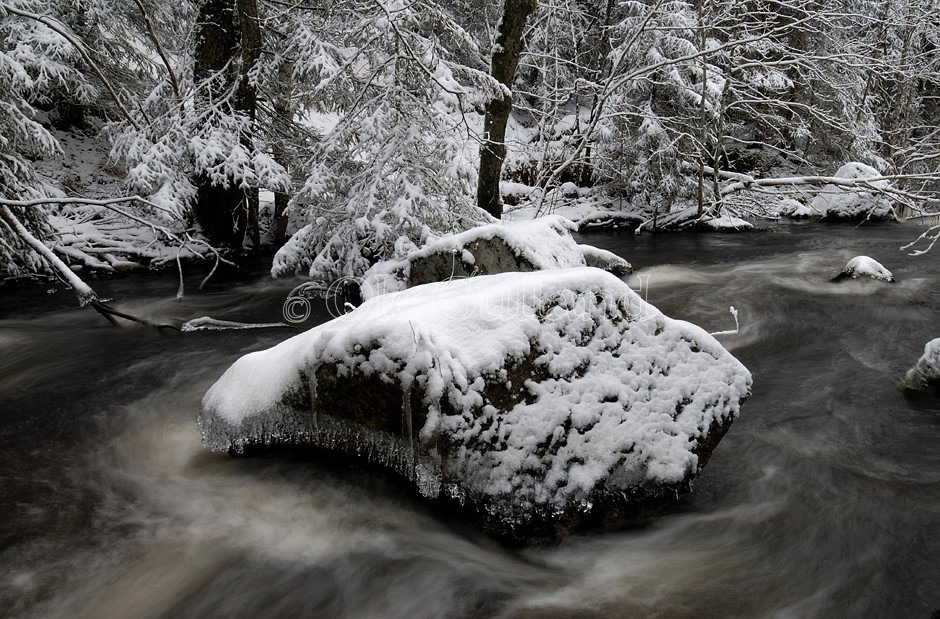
(533, 401)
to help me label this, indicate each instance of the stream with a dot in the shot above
(823, 500)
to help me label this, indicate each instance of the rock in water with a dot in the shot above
(842, 203)
(863, 266)
(533, 401)
(603, 259)
(926, 371)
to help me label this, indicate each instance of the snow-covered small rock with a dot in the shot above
(606, 260)
(836, 202)
(531, 400)
(926, 371)
(794, 209)
(727, 223)
(863, 266)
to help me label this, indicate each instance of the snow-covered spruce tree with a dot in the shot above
(35, 64)
(614, 94)
(396, 162)
(565, 52)
(900, 83)
(654, 107)
(195, 147)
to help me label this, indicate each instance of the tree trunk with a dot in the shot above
(284, 116)
(228, 44)
(506, 53)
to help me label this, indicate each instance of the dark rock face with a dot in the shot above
(529, 403)
(491, 249)
(485, 256)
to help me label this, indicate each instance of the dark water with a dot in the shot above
(822, 501)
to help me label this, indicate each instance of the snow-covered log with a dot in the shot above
(532, 401)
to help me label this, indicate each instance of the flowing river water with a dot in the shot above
(823, 500)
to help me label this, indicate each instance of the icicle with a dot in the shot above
(312, 380)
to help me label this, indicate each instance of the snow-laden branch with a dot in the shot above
(615, 82)
(82, 290)
(64, 32)
(163, 56)
(86, 295)
(877, 184)
(107, 203)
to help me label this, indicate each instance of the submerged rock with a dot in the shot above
(863, 266)
(926, 372)
(530, 401)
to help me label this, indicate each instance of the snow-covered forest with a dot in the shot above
(473, 309)
(141, 132)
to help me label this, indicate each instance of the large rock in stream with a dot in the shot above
(530, 401)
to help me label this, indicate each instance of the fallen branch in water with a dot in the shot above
(85, 293)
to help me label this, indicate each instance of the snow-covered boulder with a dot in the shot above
(539, 244)
(839, 202)
(531, 401)
(863, 266)
(926, 371)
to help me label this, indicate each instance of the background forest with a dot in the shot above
(342, 132)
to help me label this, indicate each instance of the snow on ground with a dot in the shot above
(626, 393)
(88, 236)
